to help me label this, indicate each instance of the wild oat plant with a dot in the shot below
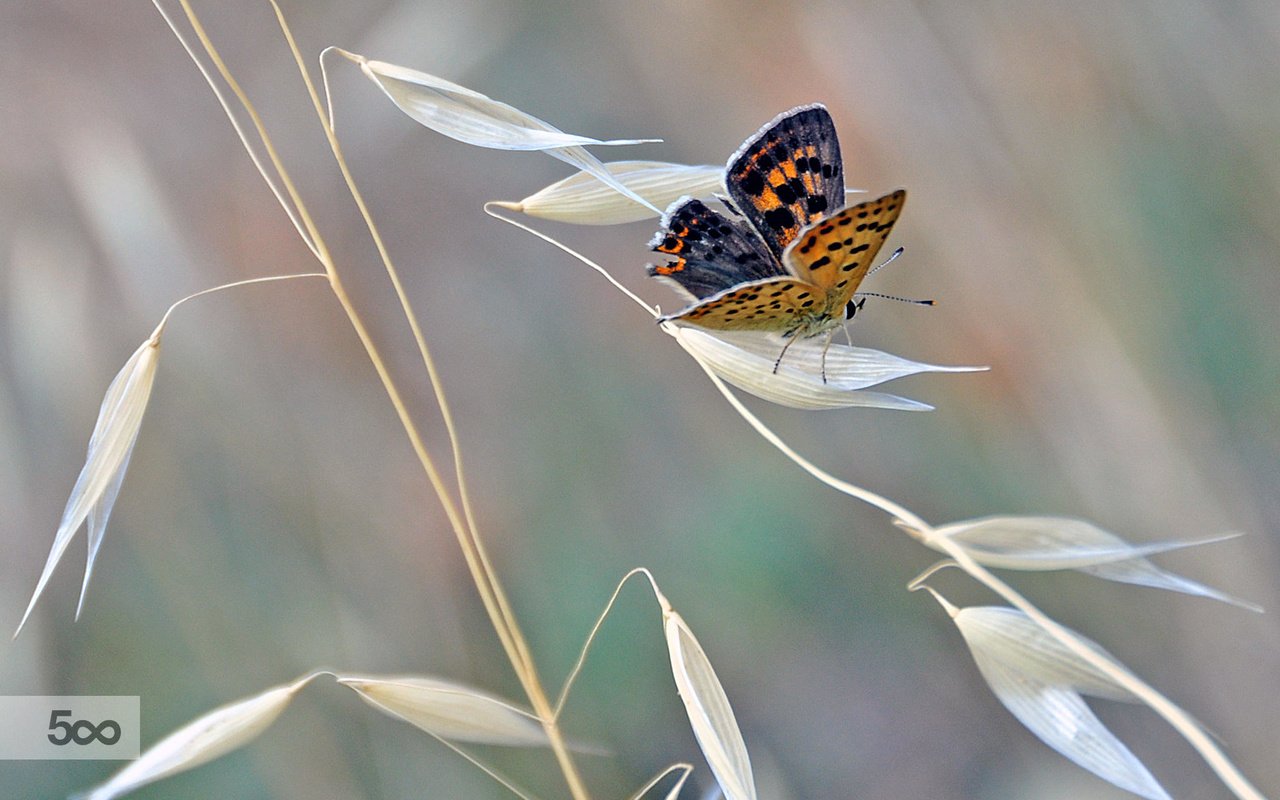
(1038, 669)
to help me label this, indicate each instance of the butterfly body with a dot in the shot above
(790, 264)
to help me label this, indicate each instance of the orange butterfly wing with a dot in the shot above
(835, 253)
(772, 304)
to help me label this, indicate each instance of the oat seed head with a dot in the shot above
(1042, 543)
(449, 710)
(583, 199)
(1041, 682)
(710, 714)
(202, 740)
(468, 116)
(110, 445)
(748, 359)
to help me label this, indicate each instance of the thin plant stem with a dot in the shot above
(595, 629)
(323, 255)
(681, 767)
(490, 574)
(486, 769)
(886, 505)
(239, 129)
(269, 279)
(490, 209)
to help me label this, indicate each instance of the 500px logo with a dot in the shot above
(82, 731)
(69, 727)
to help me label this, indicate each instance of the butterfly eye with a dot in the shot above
(854, 307)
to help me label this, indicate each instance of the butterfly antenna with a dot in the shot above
(899, 299)
(887, 261)
(728, 204)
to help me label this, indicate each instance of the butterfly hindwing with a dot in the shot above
(836, 253)
(772, 304)
(713, 252)
(693, 278)
(788, 175)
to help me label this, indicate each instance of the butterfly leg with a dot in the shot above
(778, 363)
(827, 347)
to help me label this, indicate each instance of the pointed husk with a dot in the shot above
(468, 116)
(110, 446)
(451, 711)
(582, 199)
(747, 360)
(1040, 543)
(200, 741)
(1040, 682)
(710, 714)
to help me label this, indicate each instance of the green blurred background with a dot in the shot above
(1094, 194)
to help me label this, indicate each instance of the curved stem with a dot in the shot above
(489, 209)
(506, 782)
(886, 505)
(681, 767)
(269, 279)
(595, 629)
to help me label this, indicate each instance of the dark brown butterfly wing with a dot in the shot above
(788, 175)
(713, 252)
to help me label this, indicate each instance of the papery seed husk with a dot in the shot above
(1042, 543)
(471, 117)
(582, 199)
(200, 741)
(110, 446)
(1060, 718)
(1009, 635)
(846, 367)
(788, 386)
(449, 710)
(710, 714)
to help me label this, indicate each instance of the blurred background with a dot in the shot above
(1094, 193)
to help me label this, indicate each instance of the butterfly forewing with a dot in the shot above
(773, 304)
(713, 252)
(836, 253)
(788, 175)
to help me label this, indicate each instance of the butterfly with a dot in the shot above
(792, 255)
